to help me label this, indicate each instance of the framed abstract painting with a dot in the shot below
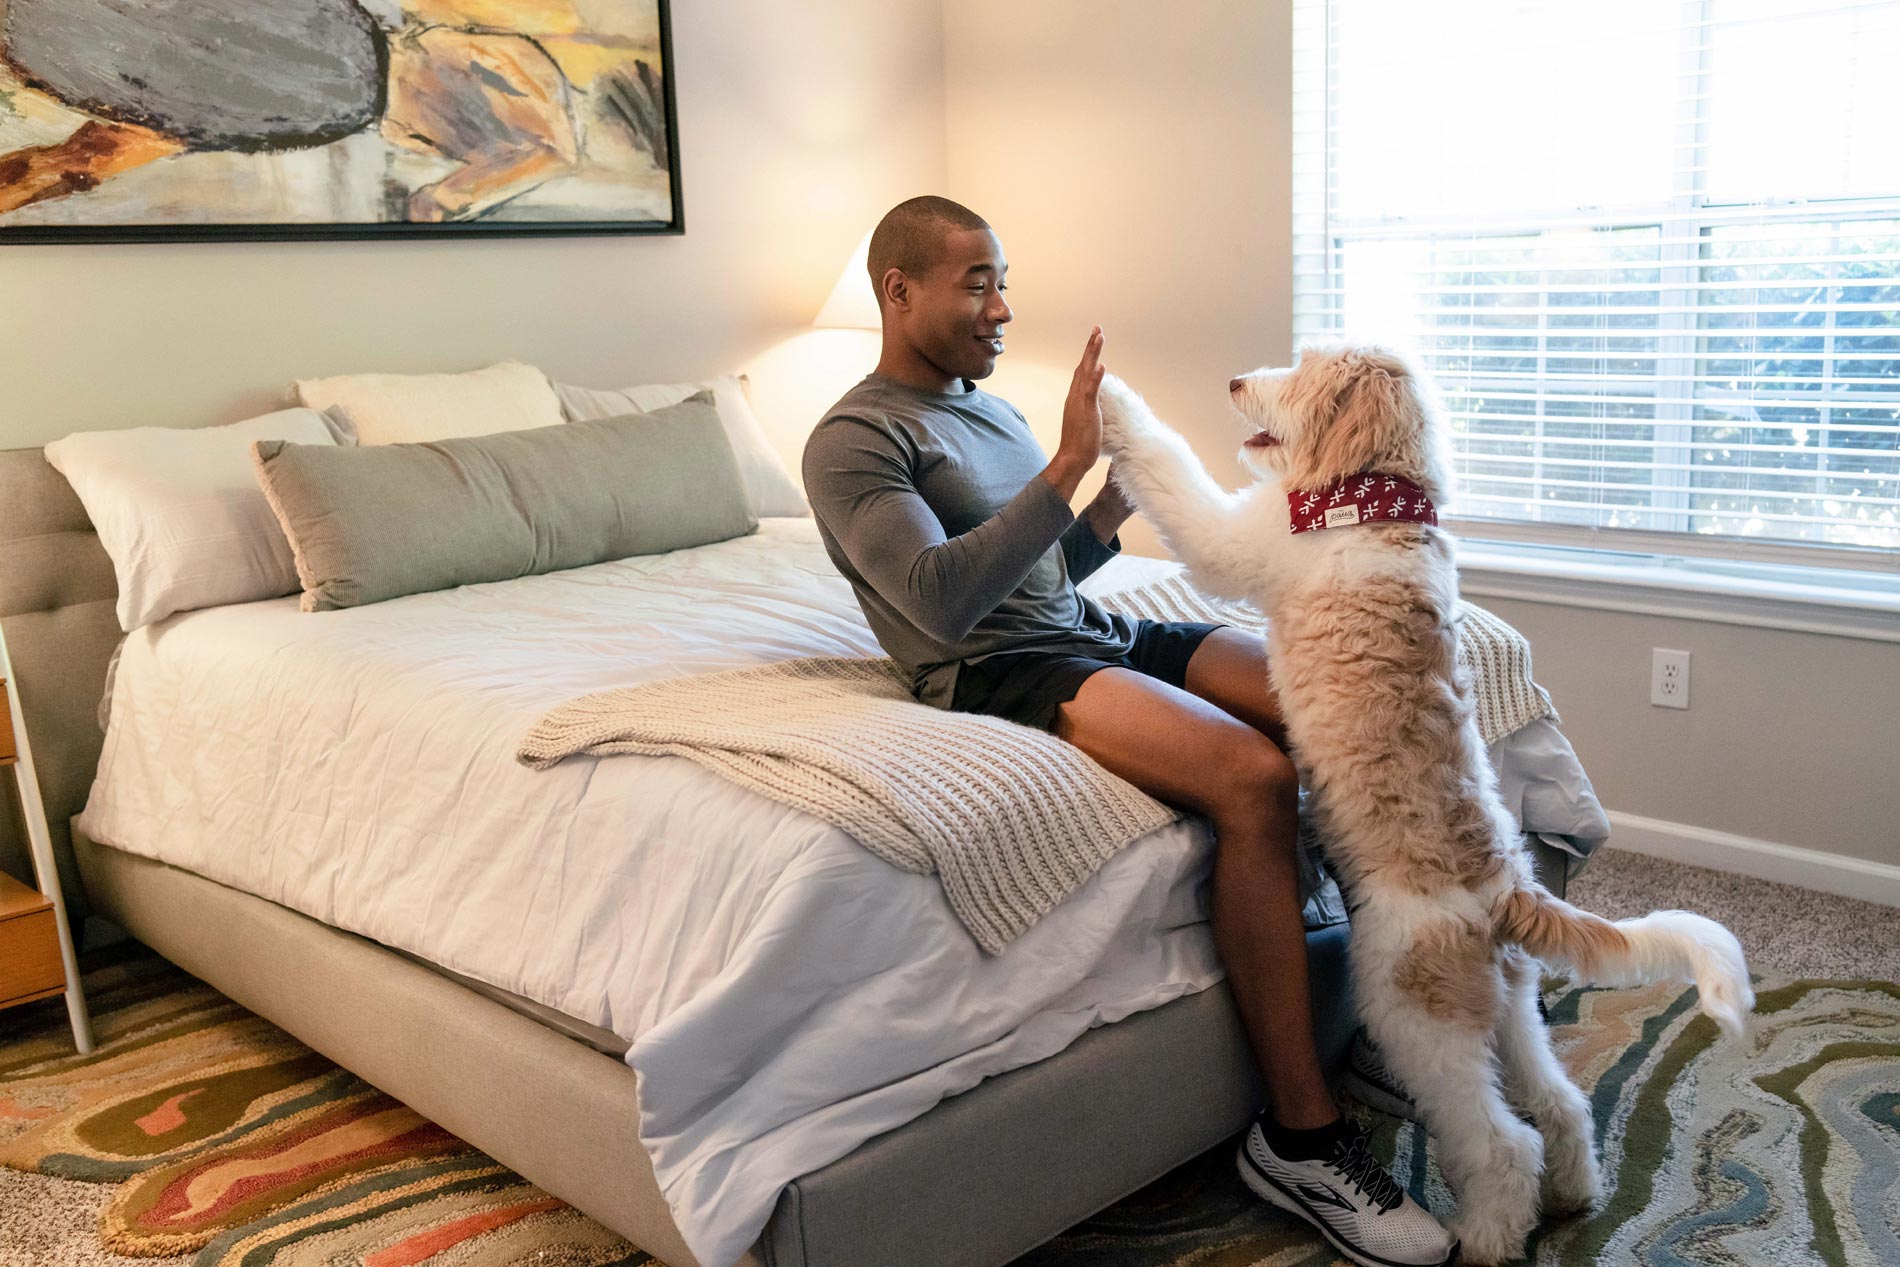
(159, 120)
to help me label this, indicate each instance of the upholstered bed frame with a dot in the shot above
(980, 1179)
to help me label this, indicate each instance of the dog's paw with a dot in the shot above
(1497, 1205)
(1116, 393)
(1488, 1242)
(1125, 415)
(1474, 1251)
(1572, 1182)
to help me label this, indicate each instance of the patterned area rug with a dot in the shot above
(226, 1137)
(1782, 1153)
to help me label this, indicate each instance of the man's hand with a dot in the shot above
(1082, 412)
(1081, 444)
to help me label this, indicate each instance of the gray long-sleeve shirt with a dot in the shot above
(928, 503)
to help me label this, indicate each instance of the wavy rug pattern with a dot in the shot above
(226, 1137)
(1783, 1152)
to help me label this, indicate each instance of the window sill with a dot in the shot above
(1830, 601)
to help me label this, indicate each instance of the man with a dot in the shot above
(937, 504)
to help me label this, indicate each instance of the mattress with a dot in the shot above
(604, 1041)
(357, 766)
(782, 994)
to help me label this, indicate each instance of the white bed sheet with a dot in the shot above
(787, 995)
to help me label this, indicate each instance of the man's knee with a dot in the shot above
(1254, 781)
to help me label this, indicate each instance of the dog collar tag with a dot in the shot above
(1369, 497)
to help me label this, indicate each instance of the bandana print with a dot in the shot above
(1368, 497)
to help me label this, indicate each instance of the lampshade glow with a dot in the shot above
(852, 305)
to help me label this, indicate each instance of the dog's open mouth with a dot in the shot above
(1261, 440)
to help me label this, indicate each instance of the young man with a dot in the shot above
(937, 504)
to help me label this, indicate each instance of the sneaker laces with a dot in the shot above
(1360, 1168)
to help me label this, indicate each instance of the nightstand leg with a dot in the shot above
(45, 869)
(76, 1011)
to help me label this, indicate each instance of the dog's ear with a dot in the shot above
(1375, 420)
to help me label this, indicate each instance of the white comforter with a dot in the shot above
(787, 994)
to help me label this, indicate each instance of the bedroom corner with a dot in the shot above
(948, 633)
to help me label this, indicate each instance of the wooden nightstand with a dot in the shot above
(36, 946)
(29, 945)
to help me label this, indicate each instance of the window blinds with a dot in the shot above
(1650, 251)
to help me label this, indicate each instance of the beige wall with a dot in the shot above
(798, 124)
(1135, 158)
(1789, 737)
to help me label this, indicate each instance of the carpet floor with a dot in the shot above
(199, 1135)
(1786, 931)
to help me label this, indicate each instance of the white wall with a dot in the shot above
(799, 124)
(1136, 159)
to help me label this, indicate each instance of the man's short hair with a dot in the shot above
(910, 237)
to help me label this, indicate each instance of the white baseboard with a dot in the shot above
(1761, 859)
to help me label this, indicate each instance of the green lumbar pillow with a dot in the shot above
(374, 523)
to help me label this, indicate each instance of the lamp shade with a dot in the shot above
(852, 304)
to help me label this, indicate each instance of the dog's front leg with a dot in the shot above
(1201, 522)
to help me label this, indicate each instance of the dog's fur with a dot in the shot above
(1364, 658)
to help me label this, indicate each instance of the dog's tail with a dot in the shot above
(1663, 946)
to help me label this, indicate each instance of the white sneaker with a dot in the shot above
(1368, 1081)
(1359, 1208)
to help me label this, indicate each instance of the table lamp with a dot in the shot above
(852, 304)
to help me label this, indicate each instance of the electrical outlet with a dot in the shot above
(1668, 678)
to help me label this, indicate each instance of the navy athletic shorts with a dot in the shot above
(1029, 686)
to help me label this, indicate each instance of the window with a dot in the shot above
(1650, 251)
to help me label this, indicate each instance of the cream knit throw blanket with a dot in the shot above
(1011, 819)
(1495, 655)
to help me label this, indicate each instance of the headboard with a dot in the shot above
(57, 596)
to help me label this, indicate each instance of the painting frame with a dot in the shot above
(70, 234)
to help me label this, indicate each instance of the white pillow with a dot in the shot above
(180, 512)
(770, 488)
(406, 408)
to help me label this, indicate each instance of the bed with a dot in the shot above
(503, 950)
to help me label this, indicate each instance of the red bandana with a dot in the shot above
(1368, 497)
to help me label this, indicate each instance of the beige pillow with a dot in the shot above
(368, 524)
(180, 514)
(413, 408)
(769, 486)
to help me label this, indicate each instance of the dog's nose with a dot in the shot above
(1235, 384)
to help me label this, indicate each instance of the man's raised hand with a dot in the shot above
(1082, 412)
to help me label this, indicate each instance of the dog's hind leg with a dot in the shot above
(1538, 1084)
(1440, 1047)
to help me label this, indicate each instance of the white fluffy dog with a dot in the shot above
(1361, 590)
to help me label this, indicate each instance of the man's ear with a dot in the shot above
(896, 288)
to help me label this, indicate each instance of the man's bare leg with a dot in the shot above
(1229, 670)
(1188, 751)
